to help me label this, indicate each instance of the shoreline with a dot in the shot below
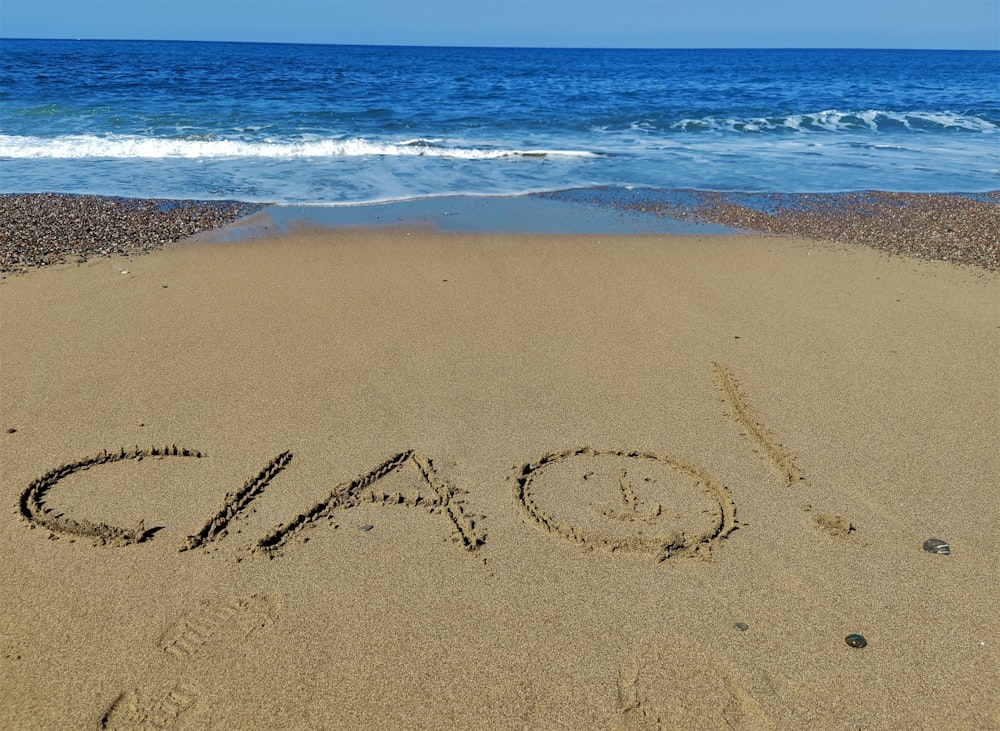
(37, 230)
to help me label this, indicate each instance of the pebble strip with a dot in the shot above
(41, 229)
(47, 228)
(963, 229)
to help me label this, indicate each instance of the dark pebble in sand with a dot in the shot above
(11, 430)
(936, 545)
(857, 641)
(365, 528)
(742, 626)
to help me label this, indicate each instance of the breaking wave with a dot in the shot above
(134, 146)
(828, 120)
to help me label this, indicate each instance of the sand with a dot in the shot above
(406, 479)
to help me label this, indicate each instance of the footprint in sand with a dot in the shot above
(663, 691)
(160, 700)
(219, 621)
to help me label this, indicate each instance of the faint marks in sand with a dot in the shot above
(216, 624)
(618, 501)
(657, 691)
(133, 710)
(220, 620)
(834, 526)
(769, 449)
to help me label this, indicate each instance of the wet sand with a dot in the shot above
(402, 478)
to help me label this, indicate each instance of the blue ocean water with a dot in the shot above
(349, 124)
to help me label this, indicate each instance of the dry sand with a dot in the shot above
(644, 482)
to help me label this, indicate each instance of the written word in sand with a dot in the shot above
(618, 501)
(615, 501)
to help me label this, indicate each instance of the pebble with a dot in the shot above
(936, 545)
(857, 641)
(742, 626)
(366, 527)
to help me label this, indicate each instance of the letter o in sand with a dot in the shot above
(620, 501)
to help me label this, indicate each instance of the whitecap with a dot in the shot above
(195, 147)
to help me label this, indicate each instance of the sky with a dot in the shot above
(923, 24)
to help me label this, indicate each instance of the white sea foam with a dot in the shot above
(869, 118)
(952, 119)
(195, 146)
(115, 146)
(835, 120)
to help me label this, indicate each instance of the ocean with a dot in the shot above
(315, 124)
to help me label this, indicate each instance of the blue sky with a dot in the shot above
(952, 24)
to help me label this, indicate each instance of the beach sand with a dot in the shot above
(499, 481)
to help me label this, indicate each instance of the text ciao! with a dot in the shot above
(628, 501)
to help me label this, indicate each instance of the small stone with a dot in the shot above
(365, 528)
(742, 626)
(936, 545)
(12, 430)
(857, 641)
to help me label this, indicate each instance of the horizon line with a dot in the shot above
(512, 47)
